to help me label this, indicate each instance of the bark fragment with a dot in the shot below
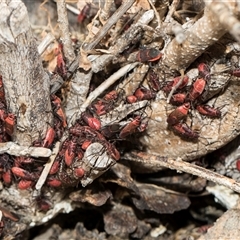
(25, 82)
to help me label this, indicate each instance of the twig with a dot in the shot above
(14, 149)
(226, 18)
(182, 166)
(206, 31)
(47, 167)
(156, 14)
(45, 43)
(73, 9)
(172, 9)
(111, 21)
(64, 31)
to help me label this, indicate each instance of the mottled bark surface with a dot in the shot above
(161, 176)
(26, 83)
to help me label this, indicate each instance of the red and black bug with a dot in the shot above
(56, 101)
(110, 131)
(168, 87)
(143, 93)
(49, 138)
(9, 123)
(209, 111)
(179, 114)
(153, 81)
(70, 152)
(178, 99)
(61, 68)
(84, 13)
(90, 120)
(148, 55)
(184, 131)
(102, 106)
(130, 128)
(204, 71)
(197, 89)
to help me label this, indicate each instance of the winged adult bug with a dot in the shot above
(184, 131)
(110, 130)
(142, 93)
(53, 182)
(84, 13)
(90, 120)
(24, 174)
(61, 65)
(148, 55)
(204, 71)
(102, 106)
(56, 101)
(3, 112)
(178, 99)
(153, 81)
(25, 184)
(9, 123)
(130, 127)
(86, 144)
(42, 203)
(2, 93)
(113, 95)
(179, 114)
(7, 176)
(209, 111)
(197, 89)
(168, 87)
(49, 138)
(238, 164)
(70, 152)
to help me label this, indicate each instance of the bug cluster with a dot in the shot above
(69, 167)
(26, 170)
(71, 164)
(186, 97)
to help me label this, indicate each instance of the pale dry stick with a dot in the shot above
(64, 31)
(111, 21)
(182, 166)
(101, 88)
(156, 14)
(48, 39)
(14, 149)
(226, 17)
(176, 86)
(47, 167)
(72, 9)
